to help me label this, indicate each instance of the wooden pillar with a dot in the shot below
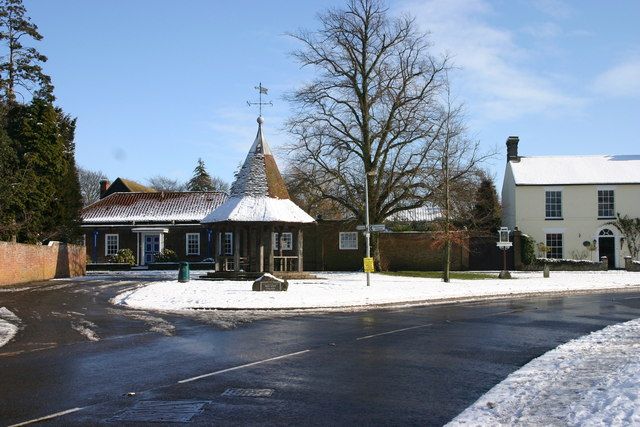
(270, 249)
(236, 249)
(245, 247)
(217, 252)
(261, 249)
(300, 242)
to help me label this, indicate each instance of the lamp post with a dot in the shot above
(504, 244)
(367, 231)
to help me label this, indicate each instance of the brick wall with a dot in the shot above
(415, 251)
(21, 263)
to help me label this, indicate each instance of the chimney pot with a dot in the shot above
(512, 149)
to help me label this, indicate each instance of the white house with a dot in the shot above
(567, 202)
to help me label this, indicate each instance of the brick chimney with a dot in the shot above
(512, 149)
(104, 186)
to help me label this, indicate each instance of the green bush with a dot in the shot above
(167, 255)
(528, 249)
(124, 256)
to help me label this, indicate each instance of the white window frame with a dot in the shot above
(197, 243)
(288, 241)
(106, 244)
(228, 238)
(546, 239)
(353, 240)
(554, 190)
(613, 195)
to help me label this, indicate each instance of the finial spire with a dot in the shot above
(261, 90)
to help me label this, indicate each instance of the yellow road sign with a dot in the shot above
(368, 265)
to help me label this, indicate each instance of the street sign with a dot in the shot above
(377, 227)
(368, 265)
(361, 227)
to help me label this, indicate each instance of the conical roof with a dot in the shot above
(259, 193)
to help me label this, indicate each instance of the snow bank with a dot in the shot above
(9, 323)
(349, 290)
(594, 380)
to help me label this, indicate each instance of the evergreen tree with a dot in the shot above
(202, 181)
(45, 201)
(486, 212)
(21, 67)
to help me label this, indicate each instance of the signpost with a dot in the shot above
(504, 244)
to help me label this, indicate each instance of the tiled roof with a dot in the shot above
(422, 214)
(134, 186)
(153, 207)
(259, 174)
(558, 170)
(259, 193)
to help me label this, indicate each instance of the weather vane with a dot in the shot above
(261, 90)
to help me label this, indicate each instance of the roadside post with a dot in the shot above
(504, 244)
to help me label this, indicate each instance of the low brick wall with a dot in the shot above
(630, 264)
(566, 265)
(20, 263)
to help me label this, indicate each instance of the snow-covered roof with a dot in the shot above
(258, 209)
(559, 170)
(153, 207)
(259, 193)
(423, 213)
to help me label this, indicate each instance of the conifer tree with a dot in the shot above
(201, 180)
(486, 213)
(20, 68)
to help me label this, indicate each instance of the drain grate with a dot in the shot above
(248, 392)
(157, 411)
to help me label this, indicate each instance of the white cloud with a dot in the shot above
(497, 71)
(622, 80)
(558, 9)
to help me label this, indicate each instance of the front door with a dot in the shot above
(607, 248)
(151, 247)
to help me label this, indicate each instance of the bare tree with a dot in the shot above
(363, 113)
(374, 110)
(90, 185)
(164, 183)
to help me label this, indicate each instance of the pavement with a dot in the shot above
(79, 360)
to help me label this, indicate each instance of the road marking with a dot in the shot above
(47, 417)
(393, 332)
(242, 366)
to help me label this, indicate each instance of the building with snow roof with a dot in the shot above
(148, 222)
(568, 202)
(258, 228)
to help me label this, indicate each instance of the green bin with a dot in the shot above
(183, 272)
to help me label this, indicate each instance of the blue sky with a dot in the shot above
(156, 84)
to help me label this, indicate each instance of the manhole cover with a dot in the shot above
(157, 411)
(248, 392)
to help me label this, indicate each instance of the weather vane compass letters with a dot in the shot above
(261, 90)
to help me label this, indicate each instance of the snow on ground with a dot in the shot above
(9, 324)
(593, 380)
(335, 290)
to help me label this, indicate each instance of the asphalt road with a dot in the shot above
(85, 362)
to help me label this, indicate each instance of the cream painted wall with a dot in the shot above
(579, 212)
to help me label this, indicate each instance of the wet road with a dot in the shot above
(78, 355)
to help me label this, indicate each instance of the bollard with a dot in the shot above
(545, 271)
(183, 272)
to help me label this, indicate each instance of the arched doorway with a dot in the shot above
(607, 247)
